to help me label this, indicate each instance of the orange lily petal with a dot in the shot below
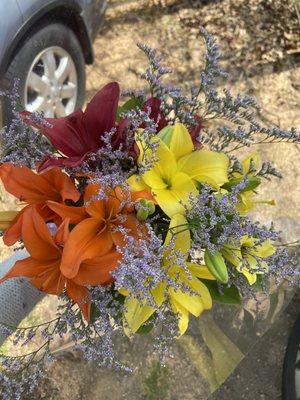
(29, 267)
(97, 270)
(45, 276)
(50, 280)
(131, 225)
(62, 233)
(62, 184)
(115, 199)
(143, 194)
(81, 296)
(37, 238)
(28, 186)
(95, 208)
(13, 233)
(85, 241)
(75, 214)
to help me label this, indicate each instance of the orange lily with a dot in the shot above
(35, 189)
(97, 233)
(42, 267)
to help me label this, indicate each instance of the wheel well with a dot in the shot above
(69, 16)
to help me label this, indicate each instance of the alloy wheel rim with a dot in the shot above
(51, 84)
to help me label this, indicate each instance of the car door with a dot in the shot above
(9, 25)
(29, 7)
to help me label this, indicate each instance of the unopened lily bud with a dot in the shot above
(142, 214)
(216, 265)
(151, 207)
(145, 208)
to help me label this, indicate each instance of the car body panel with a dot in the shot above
(21, 15)
(9, 25)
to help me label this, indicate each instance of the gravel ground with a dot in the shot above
(260, 38)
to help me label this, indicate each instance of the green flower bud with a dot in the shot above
(216, 265)
(151, 207)
(142, 214)
(144, 209)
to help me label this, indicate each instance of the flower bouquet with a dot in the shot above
(136, 215)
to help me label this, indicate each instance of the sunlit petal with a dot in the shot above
(206, 166)
(181, 143)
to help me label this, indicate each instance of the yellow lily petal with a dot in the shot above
(206, 166)
(232, 254)
(6, 217)
(247, 241)
(124, 292)
(195, 304)
(136, 183)
(154, 179)
(136, 314)
(165, 134)
(170, 199)
(160, 175)
(204, 293)
(254, 158)
(181, 143)
(245, 203)
(251, 278)
(140, 144)
(158, 293)
(200, 271)
(183, 316)
(179, 228)
(266, 249)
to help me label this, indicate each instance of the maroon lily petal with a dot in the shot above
(155, 113)
(100, 114)
(61, 162)
(66, 134)
(119, 137)
(195, 131)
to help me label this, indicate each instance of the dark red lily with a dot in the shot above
(155, 112)
(195, 132)
(152, 105)
(157, 115)
(80, 133)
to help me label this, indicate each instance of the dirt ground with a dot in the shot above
(260, 39)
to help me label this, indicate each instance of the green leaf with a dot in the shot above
(95, 313)
(253, 183)
(144, 329)
(229, 295)
(147, 326)
(216, 265)
(134, 102)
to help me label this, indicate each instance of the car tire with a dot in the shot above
(291, 365)
(45, 37)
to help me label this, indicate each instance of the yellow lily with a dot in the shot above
(247, 200)
(253, 159)
(245, 257)
(6, 217)
(172, 179)
(182, 303)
